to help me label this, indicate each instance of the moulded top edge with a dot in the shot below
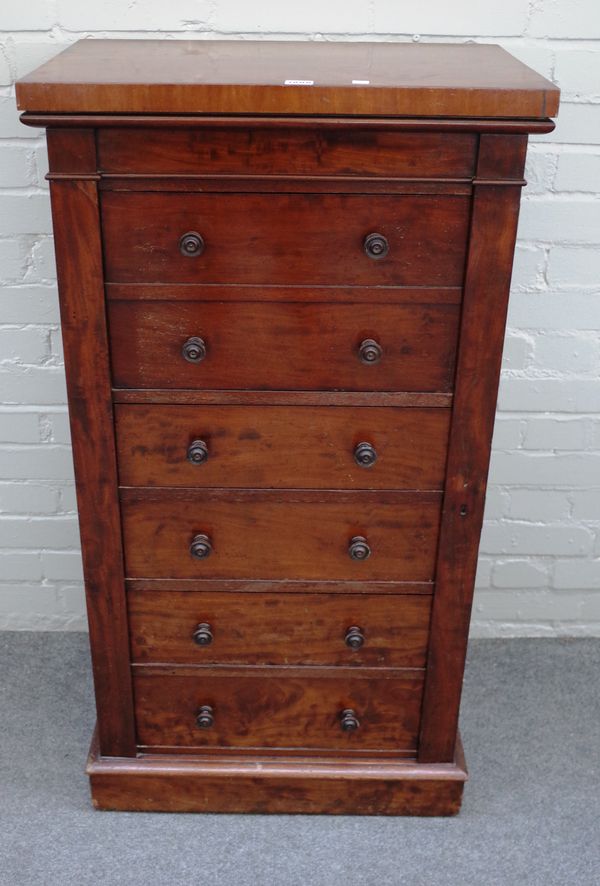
(290, 78)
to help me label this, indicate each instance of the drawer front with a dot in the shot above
(274, 446)
(280, 536)
(283, 238)
(283, 346)
(234, 151)
(191, 627)
(285, 709)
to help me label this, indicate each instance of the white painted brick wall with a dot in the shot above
(539, 567)
(565, 19)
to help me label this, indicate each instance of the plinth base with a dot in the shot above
(303, 785)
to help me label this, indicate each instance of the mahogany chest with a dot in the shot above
(283, 274)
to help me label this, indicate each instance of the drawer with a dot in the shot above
(270, 708)
(283, 346)
(284, 238)
(208, 627)
(273, 151)
(274, 446)
(268, 535)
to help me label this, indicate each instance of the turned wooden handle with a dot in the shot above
(349, 722)
(365, 455)
(359, 549)
(370, 351)
(354, 637)
(376, 246)
(197, 452)
(203, 635)
(205, 717)
(194, 349)
(191, 244)
(201, 547)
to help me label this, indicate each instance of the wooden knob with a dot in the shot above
(203, 635)
(359, 548)
(365, 455)
(197, 452)
(349, 722)
(376, 246)
(354, 638)
(370, 351)
(201, 547)
(194, 349)
(191, 244)
(205, 717)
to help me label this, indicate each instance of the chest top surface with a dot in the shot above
(252, 77)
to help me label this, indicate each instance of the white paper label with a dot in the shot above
(360, 82)
(299, 83)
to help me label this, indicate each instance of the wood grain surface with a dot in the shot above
(79, 266)
(280, 535)
(285, 346)
(279, 629)
(227, 781)
(249, 77)
(276, 151)
(239, 292)
(241, 397)
(495, 215)
(284, 238)
(256, 586)
(269, 707)
(272, 446)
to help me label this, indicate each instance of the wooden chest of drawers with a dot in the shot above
(283, 307)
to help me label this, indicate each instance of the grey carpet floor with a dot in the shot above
(531, 814)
